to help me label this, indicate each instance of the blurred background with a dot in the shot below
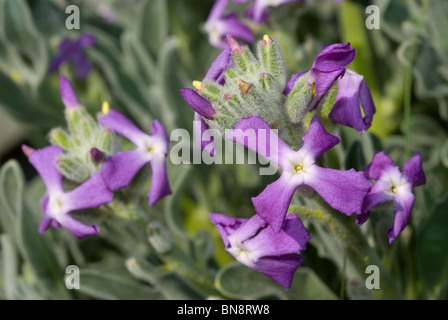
(144, 52)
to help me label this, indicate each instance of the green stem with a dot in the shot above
(408, 81)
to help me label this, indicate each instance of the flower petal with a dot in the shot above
(280, 269)
(160, 186)
(226, 225)
(77, 228)
(376, 196)
(291, 239)
(91, 194)
(44, 161)
(342, 190)
(198, 103)
(403, 204)
(273, 202)
(352, 91)
(254, 133)
(159, 132)
(380, 162)
(317, 140)
(218, 67)
(119, 169)
(334, 57)
(120, 124)
(413, 170)
(68, 95)
(231, 25)
(203, 141)
(218, 9)
(45, 223)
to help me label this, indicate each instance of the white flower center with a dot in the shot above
(240, 252)
(396, 181)
(55, 206)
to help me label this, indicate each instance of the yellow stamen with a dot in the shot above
(266, 38)
(298, 168)
(197, 85)
(105, 108)
(393, 189)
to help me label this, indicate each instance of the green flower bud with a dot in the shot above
(159, 237)
(59, 137)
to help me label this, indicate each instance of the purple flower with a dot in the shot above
(393, 185)
(219, 25)
(353, 92)
(68, 95)
(203, 107)
(329, 65)
(254, 244)
(73, 51)
(119, 169)
(342, 190)
(57, 204)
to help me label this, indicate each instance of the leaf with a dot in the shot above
(432, 250)
(25, 47)
(100, 285)
(153, 24)
(34, 248)
(9, 267)
(237, 281)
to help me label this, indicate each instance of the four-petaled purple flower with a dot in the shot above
(393, 185)
(253, 243)
(58, 204)
(119, 169)
(73, 51)
(218, 25)
(353, 92)
(342, 190)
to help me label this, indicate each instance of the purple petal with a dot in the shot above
(45, 223)
(226, 225)
(403, 204)
(218, 67)
(280, 269)
(254, 133)
(413, 170)
(367, 104)
(346, 110)
(158, 131)
(91, 194)
(342, 190)
(324, 80)
(81, 65)
(376, 196)
(203, 140)
(317, 140)
(118, 123)
(380, 163)
(334, 57)
(159, 182)
(68, 95)
(250, 13)
(119, 169)
(77, 228)
(273, 202)
(87, 40)
(291, 239)
(56, 63)
(217, 10)
(198, 103)
(44, 161)
(292, 81)
(231, 25)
